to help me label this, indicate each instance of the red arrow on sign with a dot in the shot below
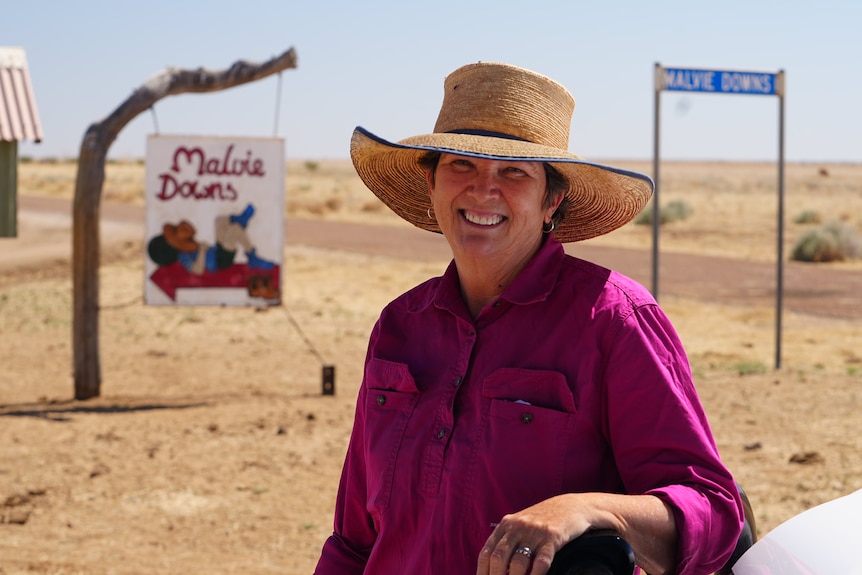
(173, 277)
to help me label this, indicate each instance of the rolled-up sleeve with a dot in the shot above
(662, 441)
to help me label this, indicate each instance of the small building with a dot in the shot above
(19, 121)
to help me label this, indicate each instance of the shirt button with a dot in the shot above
(441, 434)
(381, 399)
(526, 418)
(458, 380)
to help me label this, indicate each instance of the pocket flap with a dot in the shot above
(387, 375)
(537, 387)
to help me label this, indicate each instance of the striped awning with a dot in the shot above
(19, 118)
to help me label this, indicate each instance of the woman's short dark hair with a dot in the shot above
(557, 184)
(428, 161)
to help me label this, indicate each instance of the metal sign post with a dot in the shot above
(724, 82)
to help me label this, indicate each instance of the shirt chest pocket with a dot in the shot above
(389, 402)
(531, 415)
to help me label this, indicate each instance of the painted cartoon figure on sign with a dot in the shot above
(178, 249)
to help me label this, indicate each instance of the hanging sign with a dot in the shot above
(214, 220)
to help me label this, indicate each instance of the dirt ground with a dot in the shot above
(212, 449)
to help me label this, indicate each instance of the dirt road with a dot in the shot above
(807, 288)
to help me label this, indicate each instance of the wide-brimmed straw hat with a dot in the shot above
(500, 111)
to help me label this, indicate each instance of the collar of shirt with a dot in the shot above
(533, 284)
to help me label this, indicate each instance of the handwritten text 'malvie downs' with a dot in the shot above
(193, 175)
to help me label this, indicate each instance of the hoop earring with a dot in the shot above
(430, 213)
(546, 229)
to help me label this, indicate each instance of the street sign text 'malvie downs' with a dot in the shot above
(719, 81)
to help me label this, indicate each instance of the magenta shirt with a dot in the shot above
(573, 380)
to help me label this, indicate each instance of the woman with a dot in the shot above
(526, 396)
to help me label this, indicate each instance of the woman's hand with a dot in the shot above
(526, 542)
(538, 532)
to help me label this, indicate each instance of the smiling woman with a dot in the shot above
(524, 397)
(490, 212)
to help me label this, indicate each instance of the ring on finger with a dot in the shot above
(525, 551)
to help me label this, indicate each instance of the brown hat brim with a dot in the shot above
(602, 198)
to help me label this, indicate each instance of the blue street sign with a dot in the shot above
(718, 81)
(723, 82)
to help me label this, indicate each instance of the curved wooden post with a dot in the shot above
(88, 192)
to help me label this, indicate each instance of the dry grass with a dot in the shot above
(212, 450)
(734, 205)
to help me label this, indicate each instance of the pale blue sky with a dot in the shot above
(381, 64)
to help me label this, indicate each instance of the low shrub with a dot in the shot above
(808, 217)
(833, 242)
(750, 368)
(674, 211)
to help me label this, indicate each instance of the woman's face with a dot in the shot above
(490, 208)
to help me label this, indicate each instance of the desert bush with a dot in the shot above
(750, 368)
(311, 166)
(674, 211)
(833, 242)
(645, 217)
(808, 217)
